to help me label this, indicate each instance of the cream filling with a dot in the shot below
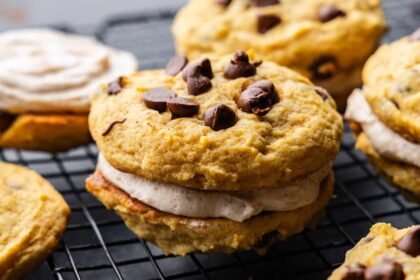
(42, 70)
(385, 141)
(237, 206)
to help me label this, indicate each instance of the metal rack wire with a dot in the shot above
(97, 245)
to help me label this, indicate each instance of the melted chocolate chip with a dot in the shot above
(220, 117)
(264, 3)
(267, 22)
(328, 12)
(324, 67)
(322, 92)
(175, 65)
(182, 107)
(354, 272)
(198, 76)
(387, 270)
(115, 86)
(6, 120)
(258, 98)
(111, 126)
(224, 3)
(239, 67)
(410, 243)
(416, 35)
(156, 99)
(268, 87)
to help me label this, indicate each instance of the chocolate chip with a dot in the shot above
(239, 67)
(329, 12)
(322, 92)
(175, 65)
(268, 87)
(354, 272)
(156, 99)
(182, 107)
(324, 67)
(387, 270)
(220, 117)
(258, 98)
(267, 22)
(257, 63)
(224, 3)
(416, 35)
(264, 3)
(111, 126)
(115, 86)
(198, 76)
(201, 67)
(410, 243)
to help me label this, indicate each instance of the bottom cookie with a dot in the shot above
(401, 174)
(386, 253)
(181, 235)
(51, 133)
(33, 217)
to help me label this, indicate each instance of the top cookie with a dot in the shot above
(244, 125)
(392, 85)
(310, 36)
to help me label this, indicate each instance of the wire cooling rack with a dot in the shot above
(97, 245)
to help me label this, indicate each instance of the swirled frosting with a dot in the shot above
(42, 70)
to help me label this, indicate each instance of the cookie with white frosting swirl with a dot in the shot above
(46, 73)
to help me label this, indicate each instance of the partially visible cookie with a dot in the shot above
(326, 40)
(33, 217)
(46, 79)
(392, 86)
(386, 253)
(52, 133)
(385, 114)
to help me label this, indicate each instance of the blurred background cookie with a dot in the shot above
(33, 217)
(327, 41)
(385, 114)
(46, 78)
(219, 154)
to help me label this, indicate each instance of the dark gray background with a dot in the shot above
(22, 13)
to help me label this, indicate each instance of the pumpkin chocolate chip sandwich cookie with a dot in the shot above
(33, 217)
(46, 78)
(215, 155)
(385, 114)
(325, 40)
(386, 253)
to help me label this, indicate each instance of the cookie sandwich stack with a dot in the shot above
(385, 114)
(215, 155)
